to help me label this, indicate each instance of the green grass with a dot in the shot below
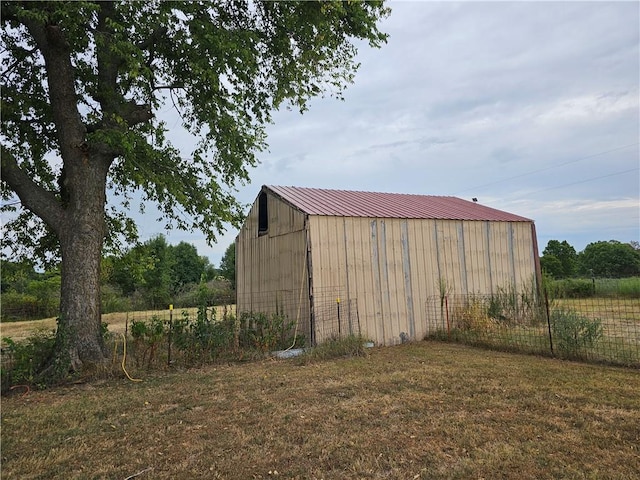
(622, 287)
(425, 410)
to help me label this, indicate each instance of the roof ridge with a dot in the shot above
(362, 191)
(358, 203)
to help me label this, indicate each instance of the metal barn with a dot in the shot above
(344, 261)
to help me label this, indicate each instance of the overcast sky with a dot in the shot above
(533, 108)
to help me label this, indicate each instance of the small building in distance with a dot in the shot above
(338, 262)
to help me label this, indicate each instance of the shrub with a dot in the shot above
(266, 332)
(571, 288)
(472, 316)
(23, 361)
(204, 339)
(146, 339)
(25, 306)
(113, 301)
(573, 332)
(214, 292)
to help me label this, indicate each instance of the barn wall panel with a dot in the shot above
(271, 272)
(475, 246)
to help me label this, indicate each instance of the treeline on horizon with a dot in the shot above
(154, 274)
(148, 276)
(571, 274)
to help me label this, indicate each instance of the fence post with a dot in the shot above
(446, 306)
(169, 336)
(546, 303)
(339, 325)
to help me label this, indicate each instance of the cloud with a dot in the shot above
(532, 107)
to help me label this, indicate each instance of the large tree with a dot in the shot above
(559, 259)
(610, 259)
(227, 267)
(82, 86)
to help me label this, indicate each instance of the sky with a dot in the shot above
(532, 108)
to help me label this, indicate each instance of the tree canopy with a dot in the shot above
(610, 259)
(559, 259)
(228, 265)
(82, 85)
(92, 76)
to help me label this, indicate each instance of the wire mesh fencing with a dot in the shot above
(589, 329)
(335, 318)
(329, 315)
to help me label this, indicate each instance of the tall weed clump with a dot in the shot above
(22, 362)
(510, 307)
(147, 338)
(210, 336)
(573, 333)
(204, 339)
(473, 315)
(267, 332)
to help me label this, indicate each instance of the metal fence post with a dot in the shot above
(169, 335)
(546, 303)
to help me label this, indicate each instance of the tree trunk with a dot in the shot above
(79, 338)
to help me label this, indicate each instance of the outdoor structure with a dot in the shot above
(344, 261)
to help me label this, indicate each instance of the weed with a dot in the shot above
(265, 332)
(618, 287)
(146, 338)
(574, 332)
(205, 339)
(337, 347)
(473, 315)
(23, 361)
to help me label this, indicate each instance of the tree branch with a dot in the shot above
(40, 201)
(61, 80)
(16, 62)
(132, 113)
(159, 33)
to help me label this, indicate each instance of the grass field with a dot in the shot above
(424, 410)
(116, 321)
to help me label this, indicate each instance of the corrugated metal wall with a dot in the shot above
(391, 267)
(271, 269)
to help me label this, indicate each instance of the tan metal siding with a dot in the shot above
(478, 275)
(499, 255)
(525, 256)
(391, 268)
(448, 255)
(271, 269)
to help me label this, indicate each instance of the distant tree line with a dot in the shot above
(604, 259)
(154, 274)
(150, 275)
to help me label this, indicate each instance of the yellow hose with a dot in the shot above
(124, 359)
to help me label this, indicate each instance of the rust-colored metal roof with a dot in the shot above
(346, 203)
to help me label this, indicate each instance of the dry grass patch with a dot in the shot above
(425, 410)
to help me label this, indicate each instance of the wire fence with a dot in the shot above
(329, 315)
(596, 329)
(588, 329)
(335, 318)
